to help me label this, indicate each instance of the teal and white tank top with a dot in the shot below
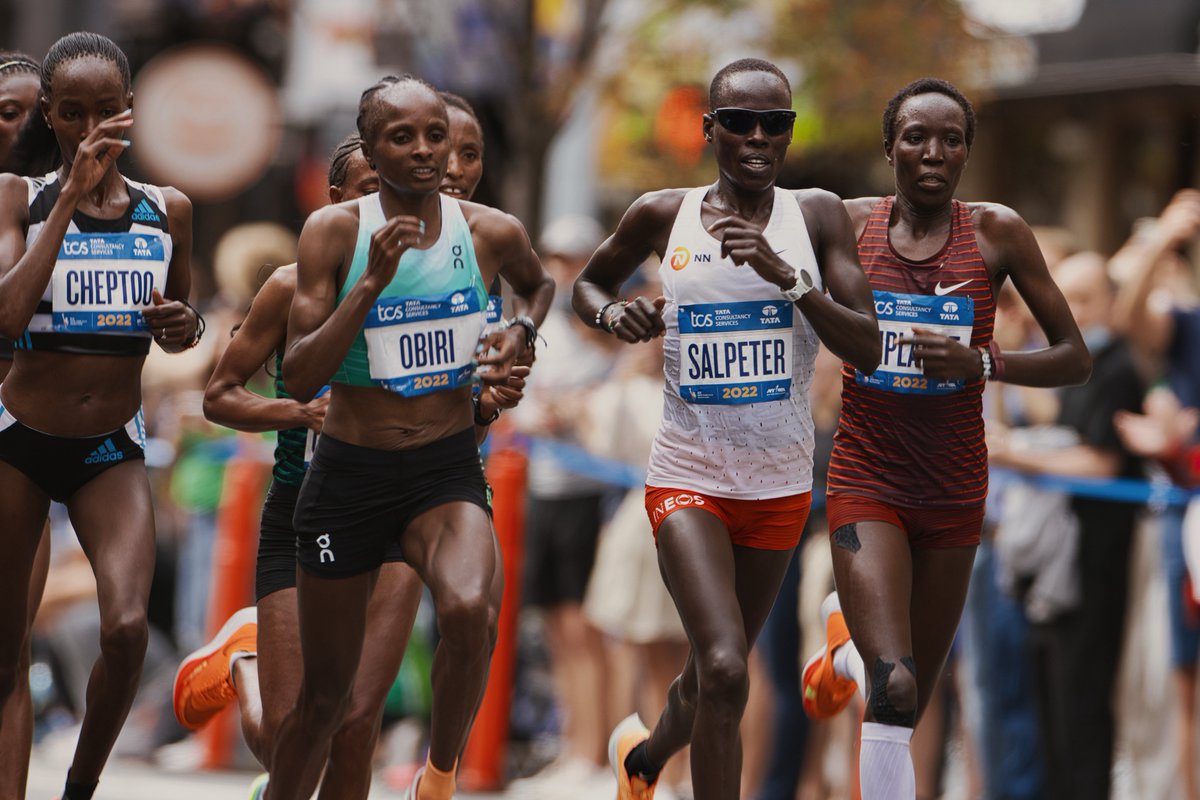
(421, 334)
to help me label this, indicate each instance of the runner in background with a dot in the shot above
(19, 90)
(744, 267)
(71, 427)
(908, 474)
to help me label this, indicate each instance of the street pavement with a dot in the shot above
(136, 780)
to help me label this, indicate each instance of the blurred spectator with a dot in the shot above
(999, 691)
(1157, 310)
(564, 512)
(1077, 651)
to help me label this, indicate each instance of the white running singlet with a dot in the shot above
(738, 364)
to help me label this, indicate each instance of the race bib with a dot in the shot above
(898, 314)
(735, 353)
(102, 281)
(418, 345)
(495, 309)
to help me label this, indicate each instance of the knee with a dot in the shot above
(724, 677)
(355, 740)
(323, 708)
(125, 636)
(893, 699)
(465, 619)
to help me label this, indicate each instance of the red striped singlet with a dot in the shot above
(905, 439)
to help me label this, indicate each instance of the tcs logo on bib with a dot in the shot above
(680, 258)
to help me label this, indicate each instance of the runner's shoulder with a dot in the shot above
(859, 208)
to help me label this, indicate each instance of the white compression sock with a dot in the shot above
(885, 767)
(849, 664)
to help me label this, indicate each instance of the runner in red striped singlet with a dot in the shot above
(908, 475)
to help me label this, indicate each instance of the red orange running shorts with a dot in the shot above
(774, 524)
(926, 527)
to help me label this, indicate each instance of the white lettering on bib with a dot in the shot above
(418, 345)
(102, 281)
(735, 353)
(898, 314)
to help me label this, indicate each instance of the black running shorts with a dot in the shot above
(276, 566)
(60, 465)
(357, 501)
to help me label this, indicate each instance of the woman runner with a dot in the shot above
(908, 475)
(86, 260)
(744, 268)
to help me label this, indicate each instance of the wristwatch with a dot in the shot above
(804, 285)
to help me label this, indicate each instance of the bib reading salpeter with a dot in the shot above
(898, 314)
(735, 353)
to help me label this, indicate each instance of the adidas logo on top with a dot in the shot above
(105, 453)
(144, 213)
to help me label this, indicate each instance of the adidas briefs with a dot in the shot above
(60, 465)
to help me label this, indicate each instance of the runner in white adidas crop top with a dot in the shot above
(93, 267)
(731, 467)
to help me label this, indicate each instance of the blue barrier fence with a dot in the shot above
(1157, 494)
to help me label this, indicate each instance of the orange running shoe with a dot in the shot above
(203, 684)
(825, 692)
(628, 734)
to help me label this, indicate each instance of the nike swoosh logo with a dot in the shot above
(939, 291)
(778, 252)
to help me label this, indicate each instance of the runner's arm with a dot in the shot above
(642, 231)
(24, 274)
(845, 318)
(169, 312)
(227, 401)
(320, 329)
(1066, 361)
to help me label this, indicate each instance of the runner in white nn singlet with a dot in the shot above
(738, 363)
(744, 269)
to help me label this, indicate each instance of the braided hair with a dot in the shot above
(339, 162)
(80, 45)
(368, 104)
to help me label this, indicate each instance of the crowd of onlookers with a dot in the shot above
(1078, 647)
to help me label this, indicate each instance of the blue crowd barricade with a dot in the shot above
(1154, 493)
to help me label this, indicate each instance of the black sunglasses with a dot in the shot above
(740, 121)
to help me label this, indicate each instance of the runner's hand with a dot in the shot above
(99, 150)
(640, 320)
(171, 322)
(314, 411)
(388, 243)
(943, 357)
(509, 393)
(498, 351)
(746, 245)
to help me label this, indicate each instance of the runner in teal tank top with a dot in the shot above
(389, 307)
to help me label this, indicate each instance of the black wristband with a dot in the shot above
(529, 326)
(200, 326)
(480, 420)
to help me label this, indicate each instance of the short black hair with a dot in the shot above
(339, 162)
(368, 103)
(927, 86)
(79, 45)
(720, 81)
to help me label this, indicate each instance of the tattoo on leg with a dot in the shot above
(846, 537)
(885, 712)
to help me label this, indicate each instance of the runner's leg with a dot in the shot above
(114, 519)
